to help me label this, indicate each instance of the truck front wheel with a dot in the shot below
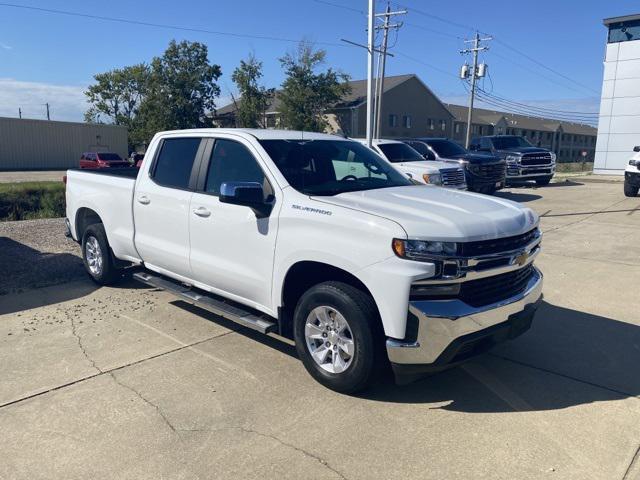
(96, 255)
(335, 336)
(630, 190)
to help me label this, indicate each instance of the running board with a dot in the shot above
(208, 301)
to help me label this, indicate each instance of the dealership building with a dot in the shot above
(619, 123)
(27, 144)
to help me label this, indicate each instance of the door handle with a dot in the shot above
(144, 200)
(201, 212)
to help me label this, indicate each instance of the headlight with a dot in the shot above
(512, 159)
(433, 179)
(422, 250)
(553, 157)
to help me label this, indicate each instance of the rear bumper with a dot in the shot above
(450, 331)
(67, 228)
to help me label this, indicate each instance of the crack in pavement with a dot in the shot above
(635, 461)
(74, 331)
(115, 369)
(592, 214)
(306, 453)
(145, 400)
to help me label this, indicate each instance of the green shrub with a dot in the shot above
(23, 201)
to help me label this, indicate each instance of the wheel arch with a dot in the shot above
(84, 217)
(303, 275)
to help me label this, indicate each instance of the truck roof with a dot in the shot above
(261, 134)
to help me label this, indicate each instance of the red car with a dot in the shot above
(102, 160)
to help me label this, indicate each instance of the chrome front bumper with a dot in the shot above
(444, 327)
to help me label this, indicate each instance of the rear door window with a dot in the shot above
(175, 161)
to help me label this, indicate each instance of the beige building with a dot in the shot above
(27, 144)
(568, 140)
(411, 109)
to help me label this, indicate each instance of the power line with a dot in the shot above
(540, 64)
(435, 17)
(162, 25)
(553, 110)
(344, 7)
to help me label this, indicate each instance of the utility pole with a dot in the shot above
(383, 61)
(48, 116)
(475, 73)
(19, 112)
(370, 47)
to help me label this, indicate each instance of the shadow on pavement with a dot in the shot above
(25, 271)
(568, 358)
(517, 196)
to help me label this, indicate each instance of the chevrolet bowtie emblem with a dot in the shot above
(521, 259)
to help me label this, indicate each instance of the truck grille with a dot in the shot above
(499, 245)
(486, 291)
(452, 177)
(491, 171)
(535, 159)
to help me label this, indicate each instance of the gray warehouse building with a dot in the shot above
(27, 144)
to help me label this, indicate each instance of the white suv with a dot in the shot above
(409, 161)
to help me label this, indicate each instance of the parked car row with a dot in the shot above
(493, 162)
(95, 160)
(317, 238)
(632, 175)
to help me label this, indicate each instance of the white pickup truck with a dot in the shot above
(410, 162)
(316, 238)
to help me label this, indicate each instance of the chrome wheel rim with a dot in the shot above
(329, 339)
(93, 253)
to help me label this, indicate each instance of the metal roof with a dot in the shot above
(622, 19)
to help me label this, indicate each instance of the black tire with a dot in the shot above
(630, 190)
(541, 182)
(359, 310)
(108, 273)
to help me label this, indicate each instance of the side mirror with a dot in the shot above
(636, 149)
(247, 194)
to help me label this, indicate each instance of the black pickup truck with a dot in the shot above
(484, 173)
(524, 161)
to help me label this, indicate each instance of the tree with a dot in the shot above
(117, 94)
(254, 99)
(182, 89)
(307, 95)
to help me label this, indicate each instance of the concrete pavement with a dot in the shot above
(127, 382)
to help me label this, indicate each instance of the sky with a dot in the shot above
(545, 53)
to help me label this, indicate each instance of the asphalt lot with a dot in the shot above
(127, 382)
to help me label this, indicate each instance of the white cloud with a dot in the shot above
(66, 102)
(5, 46)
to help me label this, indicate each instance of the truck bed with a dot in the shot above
(108, 193)
(128, 172)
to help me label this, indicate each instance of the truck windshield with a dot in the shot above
(331, 167)
(446, 148)
(505, 143)
(400, 152)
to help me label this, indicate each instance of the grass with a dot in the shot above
(29, 200)
(574, 167)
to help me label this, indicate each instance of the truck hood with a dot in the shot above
(428, 212)
(524, 150)
(475, 158)
(431, 166)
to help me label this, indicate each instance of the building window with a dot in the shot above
(443, 125)
(406, 121)
(624, 31)
(430, 124)
(393, 120)
(457, 128)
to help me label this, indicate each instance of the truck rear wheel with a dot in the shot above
(630, 190)
(96, 255)
(335, 336)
